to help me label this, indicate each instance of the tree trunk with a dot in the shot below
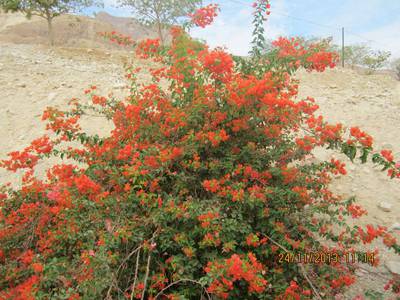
(160, 33)
(50, 31)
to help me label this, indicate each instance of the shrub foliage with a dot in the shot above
(198, 191)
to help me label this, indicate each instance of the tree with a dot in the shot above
(376, 60)
(47, 9)
(396, 67)
(160, 13)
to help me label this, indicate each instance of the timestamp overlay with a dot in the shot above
(322, 257)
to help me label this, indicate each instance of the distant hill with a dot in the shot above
(69, 30)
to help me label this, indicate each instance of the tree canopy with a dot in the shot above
(160, 13)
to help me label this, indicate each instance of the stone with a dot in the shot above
(89, 51)
(387, 146)
(51, 96)
(352, 167)
(22, 85)
(385, 206)
(393, 266)
(119, 86)
(367, 170)
(394, 226)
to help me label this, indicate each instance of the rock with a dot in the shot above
(119, 86)
(333, 86)
(51, 96)
(22, 85)
(387, 146)
(385, 206)
(367, 170)
(352, 167)
(395, 226)
(89, 51)
(393, 266)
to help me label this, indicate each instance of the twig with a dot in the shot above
(115, 275)
(129, 256)
(147, 275)
(148, 264)
(136, 273)
(379, 274)
(178, 281)
(303, 271)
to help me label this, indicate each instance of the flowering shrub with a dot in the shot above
(198, 190)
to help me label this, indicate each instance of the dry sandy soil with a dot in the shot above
(35, 76)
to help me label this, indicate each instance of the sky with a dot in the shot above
(372, 22)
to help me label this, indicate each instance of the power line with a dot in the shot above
(314, 23)
(289, 16)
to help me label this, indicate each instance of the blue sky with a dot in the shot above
(374, 22)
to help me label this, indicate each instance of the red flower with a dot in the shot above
(204, 16)
(37, 267)
(211, 185)
(387, 154)
(218, 63)
(356, 211)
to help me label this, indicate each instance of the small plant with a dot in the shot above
(261, 12)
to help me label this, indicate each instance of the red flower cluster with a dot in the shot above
(204, 16)
(388, 155)
(262, 5)
(118, 38)
(345, 280)
(218, 63)
(338, 167)
(148, 48)
(371, 233)
(360, 136)
(29, 157)
(206, 219)
(356, 211)
(233, 269)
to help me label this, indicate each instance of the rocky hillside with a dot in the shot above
(69, 30)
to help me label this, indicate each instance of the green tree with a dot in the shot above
(47, 9)
(354, 55)
(160, 13)
(376, 60)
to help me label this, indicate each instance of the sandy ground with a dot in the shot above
(33, 77)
